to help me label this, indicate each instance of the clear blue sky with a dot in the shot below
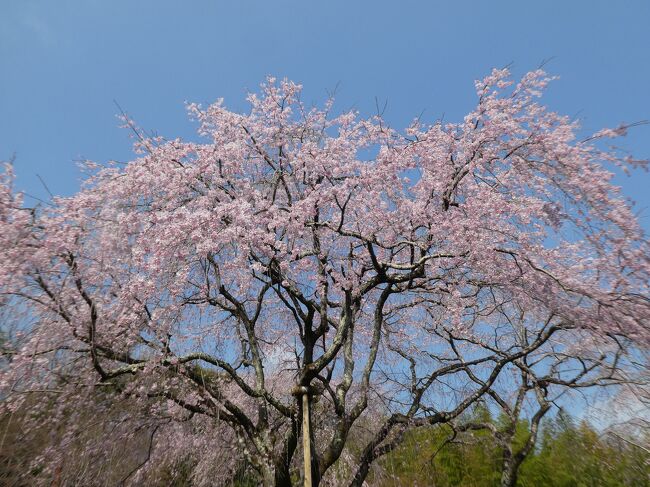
(63, 62)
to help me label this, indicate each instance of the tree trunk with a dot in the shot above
(509, 476)
(268, 477)
(508, 468)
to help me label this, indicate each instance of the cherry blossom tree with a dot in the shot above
(296, 250)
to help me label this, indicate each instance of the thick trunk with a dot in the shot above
(268, 477)
(313, 457)
(509, 476)
(283, 462)
(509, 468)
(282, 476)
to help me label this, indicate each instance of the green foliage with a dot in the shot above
(428, 458)
(575, 455)
(568, 454)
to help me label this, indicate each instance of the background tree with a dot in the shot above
(538, 381)
(569, 453)
(572, 367)
(296, 248)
